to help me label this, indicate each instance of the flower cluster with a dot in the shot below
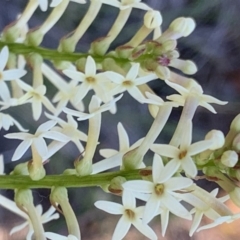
(105, 77)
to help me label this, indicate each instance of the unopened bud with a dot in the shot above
(58, 195)
(20, 169)
(217, 138)
(23, 197)
(152, 19)
(229, 158)
(236, 143)
(186, 66)
(34, 38)
(131, 160)
(124, 51)
(235, 125)
(183, 26)
(36, 172)
(116, 185)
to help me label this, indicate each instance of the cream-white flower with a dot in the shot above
(46, 217)
(201, 208)
(161, 189)
(70, 129)
(6, 121)
(130, 215)
(130, 82)
(182, 156)
(37, 139)
(67, 90)
(36, 96)
(197, 92)
(7, 75)
(89, 80)
(113, 158)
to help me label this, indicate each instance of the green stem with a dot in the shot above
(55, 55)
(17, 181)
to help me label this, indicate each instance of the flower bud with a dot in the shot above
(124, 51)
(34, 38)
(183, 26)
(20, 169)
(186, 66)
(132, 160)
(236, 143)
(116, 185)
(235, 125)
(217, 138)
(152, 19)
(229, 158)
(23, 197)
(36, 173)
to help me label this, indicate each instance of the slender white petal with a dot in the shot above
(3, 57)
(110, 207)
(177, 183)
(164, 220)
(170, 169)
(189, 166)
(74, 75)
(198, 147)
(40, 145)
(151, 208)
(46, 126)
(128, 200)
(133, 72)
(90, 68)
(195, 223)
(21, 149)
(145, 229)
(56, 136)
(165, 150)
(139, 186)
(175, 207)
(13, 74)
(121, 229)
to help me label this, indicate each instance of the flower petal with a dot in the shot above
(110, 207)
(139, 186)
(175, 207)
(151, 208)
(21, 149)
(129, 201)
(3, 57)
(145, 229)
(177, 183)
(90, 68)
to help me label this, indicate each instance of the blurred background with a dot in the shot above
(214, 46)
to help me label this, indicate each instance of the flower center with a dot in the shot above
(182, 154)
(127, 83)
(1, 76)
(159, 189)
(130, 213)
(163, 60)
(90, 79)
